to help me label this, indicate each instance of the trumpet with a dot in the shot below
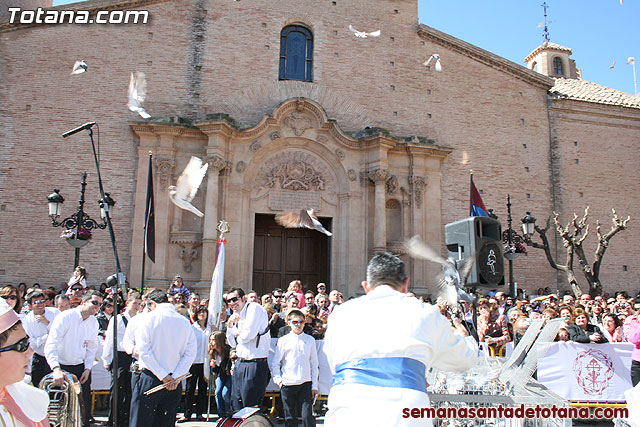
(65, 401)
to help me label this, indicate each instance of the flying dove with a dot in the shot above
(79, 67)
(612, 65)
(435, 57)
(137, 93)
(362, 34)
(187, 185)
(301, 219)
(453, 280)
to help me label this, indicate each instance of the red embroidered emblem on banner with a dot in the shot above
(593, 370)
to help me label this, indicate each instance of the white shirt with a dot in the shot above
(387, 323)
(166, 342)
(38, 331)
(295, 361)
(129, 338)
(72, 340)
(243, 337)
(202, 342)
(107, 350)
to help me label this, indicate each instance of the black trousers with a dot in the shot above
(77, 370)
(197, 377)
(157, 409)
(39, 369)
(250, 380)
(297, 399)
(635, 372)
(124, 390)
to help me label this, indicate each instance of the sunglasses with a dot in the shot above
(277, 296)
(11, 297)
(232, 300)
(76, 289)
(296, 322)
(21, 346)
(94, 302)
(40, 301)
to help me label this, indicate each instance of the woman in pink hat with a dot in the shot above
(20, 403)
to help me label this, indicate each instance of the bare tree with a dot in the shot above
(575, 232)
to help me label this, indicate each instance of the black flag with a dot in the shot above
(149, 220)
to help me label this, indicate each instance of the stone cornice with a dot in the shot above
(485, 57)
(164, 129)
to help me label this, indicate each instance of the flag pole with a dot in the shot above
(215, 295)
(470, 192)
(146, 220)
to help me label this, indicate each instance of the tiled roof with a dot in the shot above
(583, 90)
(547, 46)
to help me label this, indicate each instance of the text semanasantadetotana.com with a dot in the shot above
(51, 16)
(516, 412)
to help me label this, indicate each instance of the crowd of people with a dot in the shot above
(165, 334)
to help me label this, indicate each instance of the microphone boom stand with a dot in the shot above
(119, 279)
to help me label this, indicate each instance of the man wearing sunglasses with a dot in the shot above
(18, 401)
(72, 345)
(248, 333)
(37, 324)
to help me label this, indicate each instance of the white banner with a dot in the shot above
(587, 372)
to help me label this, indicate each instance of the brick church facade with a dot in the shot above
(357, 128)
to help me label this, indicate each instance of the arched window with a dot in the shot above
(557, 66)
(296, 53)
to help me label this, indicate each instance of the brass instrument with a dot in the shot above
(65, 402)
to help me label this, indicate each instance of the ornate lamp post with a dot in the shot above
(514, 242)
(79, 225)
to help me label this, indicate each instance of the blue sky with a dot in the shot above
(598, 31)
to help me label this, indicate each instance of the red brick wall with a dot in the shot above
(482, 111)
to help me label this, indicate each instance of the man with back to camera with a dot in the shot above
(248, 333)
(381, 358)
(166, 347)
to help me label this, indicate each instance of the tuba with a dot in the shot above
(65, 402)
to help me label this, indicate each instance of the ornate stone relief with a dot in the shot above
(352, 175)
(274, 135)
(241, 166)
(418, 183)
(321, 138)
(378, 175)
(188, 255)
(165, 169)
(391, 184)
(294, 170)
(216, 163)
(255, 146)
(189, 241)
(298, 123)
(340, 154)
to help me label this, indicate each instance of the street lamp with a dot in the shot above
(513, 242)
(79, 224)
(528, 226)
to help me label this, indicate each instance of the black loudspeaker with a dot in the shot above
(481, 236)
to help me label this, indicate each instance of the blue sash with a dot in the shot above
(397, 372)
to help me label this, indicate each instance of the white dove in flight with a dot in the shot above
(137, 93)
(79, 67)
(452, 281)
(435, 57)
(300, 219)
(362, 34)
(187, 185)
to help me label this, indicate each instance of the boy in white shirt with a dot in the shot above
(294, 369)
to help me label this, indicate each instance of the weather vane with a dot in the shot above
(545, 33)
